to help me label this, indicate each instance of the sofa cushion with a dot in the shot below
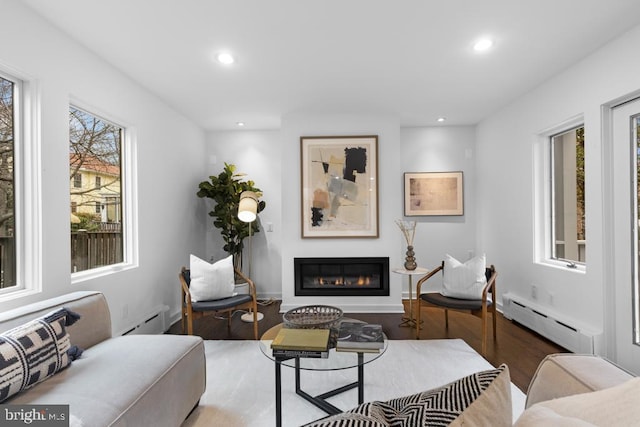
(565, 374)
(35, 351)
(90, 305)
(464, 280)
(480, 399)
(614, 406)
(134, 380)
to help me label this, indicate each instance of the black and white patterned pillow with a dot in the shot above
(438, 407)
(32, 352)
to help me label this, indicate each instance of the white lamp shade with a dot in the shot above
(248, 207)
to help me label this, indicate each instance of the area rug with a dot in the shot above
(241, 381)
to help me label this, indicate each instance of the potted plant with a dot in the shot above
(225, 190)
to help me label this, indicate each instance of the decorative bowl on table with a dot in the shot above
(313, 317)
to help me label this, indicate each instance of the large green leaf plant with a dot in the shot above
(225, 190)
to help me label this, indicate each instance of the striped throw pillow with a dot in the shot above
(480, 399)
(33, 352)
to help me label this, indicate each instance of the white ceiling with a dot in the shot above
(409, 58)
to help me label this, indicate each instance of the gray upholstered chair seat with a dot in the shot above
(221, 304)
(453, 303)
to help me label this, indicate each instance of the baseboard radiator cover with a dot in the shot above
(566, 333)
(154, 322)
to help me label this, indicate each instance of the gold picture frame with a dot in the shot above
(339, 186)
(433, 193)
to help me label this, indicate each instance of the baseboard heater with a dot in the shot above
(153, 323)
(568, 334)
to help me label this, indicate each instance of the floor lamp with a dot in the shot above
(248, 212)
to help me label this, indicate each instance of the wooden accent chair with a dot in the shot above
(479, 307)
(195, 310)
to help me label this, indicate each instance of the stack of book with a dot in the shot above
(301, 343)
(360, 337)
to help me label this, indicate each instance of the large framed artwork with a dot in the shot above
(433, 193)
(339, 185)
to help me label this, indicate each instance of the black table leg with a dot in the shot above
(278, 393)
(360, 378)
(319, 400)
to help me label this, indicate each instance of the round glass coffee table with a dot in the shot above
(336, 360)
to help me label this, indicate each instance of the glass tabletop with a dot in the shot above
(337, 359)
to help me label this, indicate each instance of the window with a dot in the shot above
(77, 180)
(20, 262)
(568, 234)
(8, 126)
(74, 207)
(95, 148)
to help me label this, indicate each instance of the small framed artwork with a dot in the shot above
(339, 184)
(433, 193)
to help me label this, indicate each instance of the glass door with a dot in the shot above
(626, 199)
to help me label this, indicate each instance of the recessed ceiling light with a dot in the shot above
(441, 119)
(240, 124)
(225, 58)
(482, 45)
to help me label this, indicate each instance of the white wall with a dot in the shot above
(294, 126)
(170, 153)
(444, 149)
(272, 160)
(258, 154)
(505, 183)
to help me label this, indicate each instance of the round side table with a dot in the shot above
(409, 321)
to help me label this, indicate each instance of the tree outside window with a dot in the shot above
(7, 187)
(95, 147)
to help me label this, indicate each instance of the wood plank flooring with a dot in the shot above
(520, 348)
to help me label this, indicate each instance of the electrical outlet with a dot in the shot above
(534, 291)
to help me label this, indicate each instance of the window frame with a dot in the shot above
(27, 185)
(128, 196)
(543, 196)
(552, 192)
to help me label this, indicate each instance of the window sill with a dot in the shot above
(563, 265)
(21, 293)
(94, 273)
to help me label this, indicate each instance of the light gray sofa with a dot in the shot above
(137, 380)
(581, 391)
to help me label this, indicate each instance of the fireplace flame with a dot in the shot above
(341, 281)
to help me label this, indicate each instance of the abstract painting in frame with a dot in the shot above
(339, 185)
(433, 193)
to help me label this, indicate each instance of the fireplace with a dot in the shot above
(354, 276)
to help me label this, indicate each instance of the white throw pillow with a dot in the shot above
(211, 281)
(464, 281)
